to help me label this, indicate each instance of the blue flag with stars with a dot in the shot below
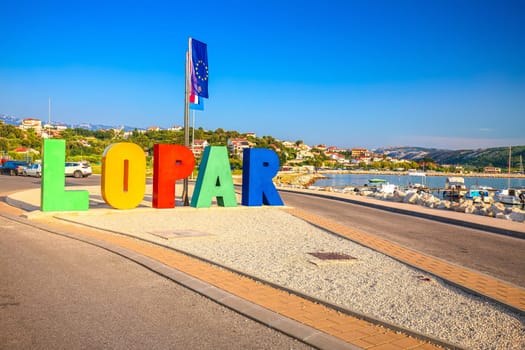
(199, 68)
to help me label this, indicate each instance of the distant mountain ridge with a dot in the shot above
(406, 152)
(496, 156)
(93, 127)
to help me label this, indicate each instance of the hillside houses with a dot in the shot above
(337, 158)
(334, 149)
(198, 146)
(299, 152)
(236, 146)
(289, 152)
(25, 150)
(492, 170)
(32, 123)
(360, 153)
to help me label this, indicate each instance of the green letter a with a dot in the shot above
(215, 180)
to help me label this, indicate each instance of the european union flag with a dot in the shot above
(199, 68)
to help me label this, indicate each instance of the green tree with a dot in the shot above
(235, 163)
(4, 145)
(10, 131)
(33, 140)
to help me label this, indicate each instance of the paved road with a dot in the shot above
(496, 255)
(17, 183)
(59, 293)
(493, 254)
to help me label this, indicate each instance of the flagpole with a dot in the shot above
(185, 197)
(193, 132)
(193, 136)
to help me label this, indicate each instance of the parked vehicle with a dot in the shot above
(13, 167)
(77, 169)
(33, 170)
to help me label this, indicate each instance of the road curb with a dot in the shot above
(271, 319)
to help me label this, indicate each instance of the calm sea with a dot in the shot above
(405, 180)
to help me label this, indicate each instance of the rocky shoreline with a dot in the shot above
(476, 207)
(297, 179)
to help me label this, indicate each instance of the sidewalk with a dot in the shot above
(325, 326)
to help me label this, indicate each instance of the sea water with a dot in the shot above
(433, 182)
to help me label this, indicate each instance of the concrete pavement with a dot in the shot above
(62, 293)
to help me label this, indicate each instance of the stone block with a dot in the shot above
(517, 215)
(411, 198)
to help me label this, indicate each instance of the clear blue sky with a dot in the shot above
(369, 73)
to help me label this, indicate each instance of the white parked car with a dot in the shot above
(78, 169)
(33, 170)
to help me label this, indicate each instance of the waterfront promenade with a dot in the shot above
(298, 313)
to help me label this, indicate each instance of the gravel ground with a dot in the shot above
(273, 245)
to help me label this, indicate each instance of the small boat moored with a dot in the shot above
(511, 196)
(382, 186)
(479, 193)
(454, 188)
(377, 181)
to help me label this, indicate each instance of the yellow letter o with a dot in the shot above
(123, 175)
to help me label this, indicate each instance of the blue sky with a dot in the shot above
(370, 73)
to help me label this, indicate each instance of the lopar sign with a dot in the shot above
(123, 182)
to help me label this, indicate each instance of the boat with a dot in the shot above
(382, 185)
(416, 186)
(479, 192)
(511, 196)
(377, 181)
(454, 188)
(386, 187)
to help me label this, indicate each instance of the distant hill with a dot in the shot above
(94, 127)
(498, 156)
(10, 119)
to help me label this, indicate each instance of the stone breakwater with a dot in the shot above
(476, 207)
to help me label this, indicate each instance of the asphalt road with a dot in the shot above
(17, 183)
(496, 255)
(59, 293)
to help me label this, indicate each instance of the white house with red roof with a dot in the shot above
(199, 146)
